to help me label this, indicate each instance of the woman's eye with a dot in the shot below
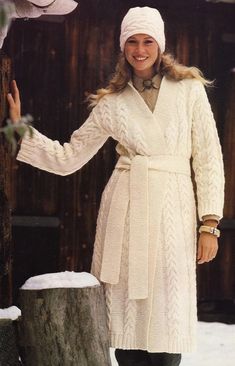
(149, 41)
(131, 41)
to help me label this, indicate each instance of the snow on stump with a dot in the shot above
(8, 349)
(63, 321)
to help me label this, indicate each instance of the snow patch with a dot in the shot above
(12, 313)
(216, 346)
(61, 280)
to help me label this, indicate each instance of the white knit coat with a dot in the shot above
(145, 246)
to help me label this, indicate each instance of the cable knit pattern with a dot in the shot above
(180, 127)
(183, 133)
(188, 217)
(130, 305)
(206, 152)
(66, 159)
(102, 223)
(121, 128)
(171, 258)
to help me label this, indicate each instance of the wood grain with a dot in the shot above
(64, 327)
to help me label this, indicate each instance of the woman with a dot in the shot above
(145, 246)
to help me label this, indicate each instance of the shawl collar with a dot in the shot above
(162, 113)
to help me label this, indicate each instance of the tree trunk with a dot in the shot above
(8, 350)
(64, 326)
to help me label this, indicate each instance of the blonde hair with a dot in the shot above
(166, 65)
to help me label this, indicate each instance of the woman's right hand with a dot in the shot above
(14, 103)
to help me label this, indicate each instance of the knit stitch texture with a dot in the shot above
(181, 125)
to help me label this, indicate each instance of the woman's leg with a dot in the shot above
(132, 357)
(165, 359)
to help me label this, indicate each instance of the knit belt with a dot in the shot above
(132, 189)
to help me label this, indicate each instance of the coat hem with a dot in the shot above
(128, 341)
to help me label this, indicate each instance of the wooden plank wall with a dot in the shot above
(6, 164)
(56, 61)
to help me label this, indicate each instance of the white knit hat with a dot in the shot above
(143, 20)
(36, 8)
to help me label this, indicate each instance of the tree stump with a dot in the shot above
(64, 327)
(8, 350)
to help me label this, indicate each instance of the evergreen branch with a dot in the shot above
(20, 128)
(6, 10)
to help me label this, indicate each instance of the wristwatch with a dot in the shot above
(210, 229)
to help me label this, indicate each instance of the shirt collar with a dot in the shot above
(138, 82)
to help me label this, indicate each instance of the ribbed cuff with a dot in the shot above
(214, 208)
(27, 147)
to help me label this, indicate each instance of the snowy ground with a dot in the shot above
(216, 346)
(216, 341)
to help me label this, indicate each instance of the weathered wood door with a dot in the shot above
(5, 188)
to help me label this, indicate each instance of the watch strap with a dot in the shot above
(210, 229)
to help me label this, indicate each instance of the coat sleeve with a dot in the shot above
(65, 159)
(207, 156)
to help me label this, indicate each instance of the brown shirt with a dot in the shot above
(148, 92)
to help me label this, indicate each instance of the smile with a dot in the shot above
(140, 58)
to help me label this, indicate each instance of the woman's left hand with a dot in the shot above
(207, 247)
(14, 103)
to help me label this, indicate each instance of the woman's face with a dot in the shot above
(141, 51)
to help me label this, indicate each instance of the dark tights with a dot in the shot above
(144, 358)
